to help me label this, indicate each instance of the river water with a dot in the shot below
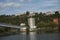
(32, 36)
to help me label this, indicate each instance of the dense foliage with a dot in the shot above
(41, 20)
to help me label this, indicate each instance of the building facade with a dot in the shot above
(31, 22)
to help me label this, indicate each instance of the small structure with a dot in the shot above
(55, 20)
(23, 27)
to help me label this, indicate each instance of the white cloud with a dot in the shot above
(10, 4)
(29, 0)
(51, 3)
(25, 0)
(19, 0)
(22, 0)
(45, 4)
(41, 5)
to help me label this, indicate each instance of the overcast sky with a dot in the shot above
(19, 6)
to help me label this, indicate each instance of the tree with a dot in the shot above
(27, 13)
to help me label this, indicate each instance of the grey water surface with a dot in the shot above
(32, 36)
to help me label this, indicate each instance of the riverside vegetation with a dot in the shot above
(42, 21)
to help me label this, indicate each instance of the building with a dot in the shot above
(31, 22)
(55, 20)
(23, 27)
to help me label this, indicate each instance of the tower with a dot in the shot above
(31, 22)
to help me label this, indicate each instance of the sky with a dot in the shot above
(10, 7)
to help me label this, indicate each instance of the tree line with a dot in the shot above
(41, 19)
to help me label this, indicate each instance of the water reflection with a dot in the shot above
(32, 36)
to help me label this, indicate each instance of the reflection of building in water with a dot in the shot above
(31, 22)
(32, 35)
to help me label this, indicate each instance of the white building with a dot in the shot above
(23, 27)
(31, 22)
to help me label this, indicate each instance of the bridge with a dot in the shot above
(8, 28)
(8, 25)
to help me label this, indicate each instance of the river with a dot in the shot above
(32, 36)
